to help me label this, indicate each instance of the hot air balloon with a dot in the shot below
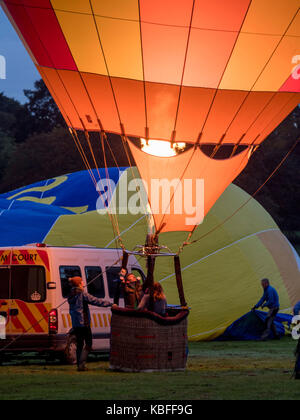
(225, 266)
(217, 76)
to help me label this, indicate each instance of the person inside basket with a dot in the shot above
(130, 284)
(154, 300)
(79, 302)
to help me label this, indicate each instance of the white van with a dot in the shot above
(33, 296)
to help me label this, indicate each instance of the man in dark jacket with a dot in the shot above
(79, 302)
(270, 299)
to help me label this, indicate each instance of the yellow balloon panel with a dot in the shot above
(120, 9)
(83, 42)
(121, 43)
(79, 6)
(248, 59)
(294, 29)
(287, 264)
(270, 17)
(280, 65)
(223, 286)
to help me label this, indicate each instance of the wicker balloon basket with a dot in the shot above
(142, 341)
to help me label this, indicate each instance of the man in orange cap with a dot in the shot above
(79, 302)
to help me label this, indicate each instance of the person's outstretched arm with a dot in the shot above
(92, 300)
(296, 309)
(262, 300)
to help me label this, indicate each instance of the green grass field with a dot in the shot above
(216, 370)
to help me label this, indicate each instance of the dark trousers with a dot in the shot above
(270, 325)
(84, 340)
(297, 364)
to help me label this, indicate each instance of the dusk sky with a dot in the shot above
(20, 70)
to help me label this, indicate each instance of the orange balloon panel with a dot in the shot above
(101, 94)
(164, 49)
(208, 54)
(224, 99)
(162, 103)
(272, 110)
(220, 15)
(79, 96)
(173, 12)
(285, 110)
(178, 196)
(251, 107)
(193, 109)
(208, 70)
(55, 84)
(130, 95)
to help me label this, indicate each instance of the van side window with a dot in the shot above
(4, 282)
(95, 283)
(67, 272)
(28, 283)
(112, 274)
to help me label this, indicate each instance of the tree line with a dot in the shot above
(36, 145)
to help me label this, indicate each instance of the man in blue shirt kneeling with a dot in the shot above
(269, 300)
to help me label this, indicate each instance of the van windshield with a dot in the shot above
(26, 283)
(4, 282)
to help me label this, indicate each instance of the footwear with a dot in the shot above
(82, 369)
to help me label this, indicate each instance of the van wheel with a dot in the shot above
(70, 351)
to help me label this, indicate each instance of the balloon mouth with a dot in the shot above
(162, 148)
(223, 152)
